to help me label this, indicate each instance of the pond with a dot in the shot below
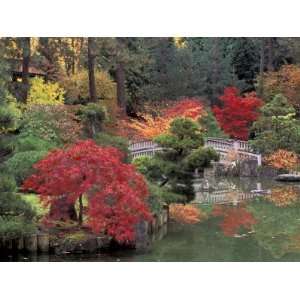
(239, 225)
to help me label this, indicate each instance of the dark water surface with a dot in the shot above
(238, 226)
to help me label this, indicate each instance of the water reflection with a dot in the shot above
(246, 221)
(247, 225)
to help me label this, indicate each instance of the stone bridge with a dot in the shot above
(222, 146)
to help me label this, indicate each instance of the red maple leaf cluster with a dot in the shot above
(238, 112)
(115, 192)
(233, 219)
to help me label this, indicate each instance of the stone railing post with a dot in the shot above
(236, 145)
(259, 159)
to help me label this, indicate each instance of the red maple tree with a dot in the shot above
(238, 112)
(116, 194)
(233, 219)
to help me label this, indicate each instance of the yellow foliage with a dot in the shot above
(42, 93)
(283, 159)
(188, 214)
(77, 86)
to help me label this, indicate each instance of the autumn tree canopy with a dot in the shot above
(237, 112)
(116, 194)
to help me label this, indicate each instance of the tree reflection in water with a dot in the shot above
(233, 219)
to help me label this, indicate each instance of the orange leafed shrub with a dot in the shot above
(148, 126)
(283, 159)
(187, 214)
(286, 81)
(188, 108)
(283, 196)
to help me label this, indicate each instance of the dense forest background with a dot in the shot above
(146, 69)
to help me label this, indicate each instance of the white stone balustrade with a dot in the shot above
(222, 146)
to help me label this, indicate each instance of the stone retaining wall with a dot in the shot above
(42, 243)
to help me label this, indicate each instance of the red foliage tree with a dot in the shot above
(238, 112)
(233, 219)
(115, 192)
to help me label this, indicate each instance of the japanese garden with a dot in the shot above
(149, 149)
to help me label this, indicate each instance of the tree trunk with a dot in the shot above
(91, 67)
(80, 214)
(270, 65)
(61, 210)
(261, 69)
(120, 78)
(25, 66)
(215, 71)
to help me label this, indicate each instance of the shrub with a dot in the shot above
(10, 115)
(15, 214)
(77, 87)
(20, 164)
(43, 93)
(277, 128)
(15, 228)
(285, 81)
(93, 116)
(282, 159)
(210, 126)
(57, 124)
(31, 143)
(160, 196)
(187, 214)
(201, 157)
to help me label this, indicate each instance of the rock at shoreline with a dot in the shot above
(288, 177)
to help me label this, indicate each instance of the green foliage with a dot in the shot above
(278, 106)
(38, 123)
(104, 139)
(93, 115)
(10, 114)
(15, 214)
(149, 166)
(160, 196)
(57, 124)
(42, 93)
(210, 127)
(201, 157)
(15, 228)
(31, 143)
(184, 136)
(20, 164)
(77, 87)
(277, 127)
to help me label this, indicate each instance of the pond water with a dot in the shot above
(238, 225)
